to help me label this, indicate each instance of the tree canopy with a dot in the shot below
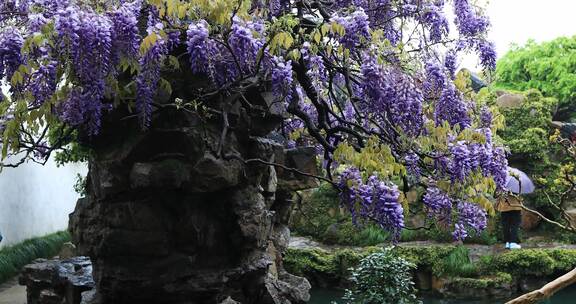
(548, 67)
(371, 84)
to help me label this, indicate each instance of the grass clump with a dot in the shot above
(13, 258)
(456, 264)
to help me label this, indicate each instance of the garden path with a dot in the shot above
(12, 293)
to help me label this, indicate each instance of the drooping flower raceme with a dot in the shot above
(468, 21)
(244, 45)
(10, 56)
(487, 53)
(471, 218)
(356, 26)
(88, 36)
(375, 200)
(393, 96)
(452, 108)
(438, 204)
(198, 45)
(282, 79)
(126, 39)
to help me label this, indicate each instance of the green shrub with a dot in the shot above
(303, 262)
(525, 262)
(380, 278)
(425, 257)
(564, 259)
(450, 262)
(13, 258)
(527, 127)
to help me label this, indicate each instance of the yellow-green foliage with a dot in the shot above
(456, 263)
(425, 257)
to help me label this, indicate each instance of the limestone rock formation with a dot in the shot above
(191, 211)
(57, 281)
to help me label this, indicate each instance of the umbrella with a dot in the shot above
(518, 182)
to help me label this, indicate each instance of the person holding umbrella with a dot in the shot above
(509, 204)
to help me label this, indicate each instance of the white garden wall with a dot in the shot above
(35, 200)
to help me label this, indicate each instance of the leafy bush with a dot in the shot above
(424, 257)
(380, 278)
(524, 262)
(548, 67)
(13, 258)
(449, 262)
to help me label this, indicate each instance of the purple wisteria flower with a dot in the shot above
(452, 108)
(357, 28)
(471, 218)
(468, 21)
(438, 204)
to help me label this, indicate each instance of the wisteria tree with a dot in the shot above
(370, 84)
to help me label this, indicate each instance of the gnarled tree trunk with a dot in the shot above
(547, 290)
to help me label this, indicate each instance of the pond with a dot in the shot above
(325, 296)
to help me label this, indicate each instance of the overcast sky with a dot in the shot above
(516, 21)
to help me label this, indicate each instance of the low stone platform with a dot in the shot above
(57, 281)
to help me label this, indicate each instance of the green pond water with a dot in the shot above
(326, 296)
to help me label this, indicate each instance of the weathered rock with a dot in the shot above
(529, 220)
(180, 214)
(510, 100)
(49, 297)
(423, 280)
(527, 284)
(476, 288)
(89, 297)
(68, 251)
(57, 281)
(303, 160)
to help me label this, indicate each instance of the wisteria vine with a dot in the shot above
(379, 102)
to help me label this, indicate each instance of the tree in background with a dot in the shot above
(548, 67)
